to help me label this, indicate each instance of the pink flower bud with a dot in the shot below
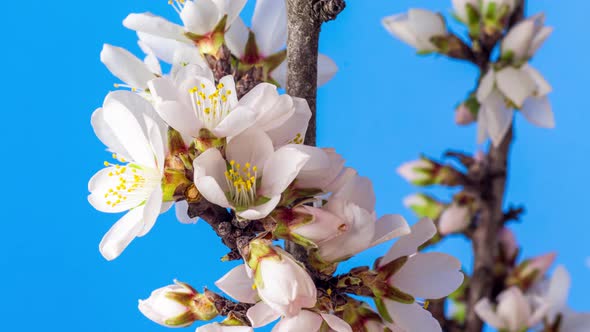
(508, 243)
(463, 115)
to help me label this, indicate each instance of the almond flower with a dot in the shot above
(525, 38)
(424, 275)
(310, 321)
(501, 91)
(454, 219)
(555, 292)
(216, 327)
(513, 312)
(347, 224)
(252, 177)
(191, 102)
(128, 125)
(264, 43)
(205, 22)
(417, 27)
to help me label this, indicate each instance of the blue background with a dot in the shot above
(384, 107)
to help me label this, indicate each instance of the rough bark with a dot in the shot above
(304, 21)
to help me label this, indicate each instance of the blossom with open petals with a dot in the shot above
(525, 38)
(429, 275)
(514, 313)
(417, 27)
(131, 129)
(252, 177)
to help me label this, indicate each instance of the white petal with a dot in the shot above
(537, 110)
(231, 8)
(304, 321)
(280, 74)
(576, 323)
(425, 25)
(484, 310)
(388, 227)
(261, 314)
(154, 25)
(558, 291)
(216, 327)
(188, 56)
(210, 178)
(293, 126)
(486, 86)
(179, 117)
(482, 128)
(158, 141)
(498, 117)
(100, 184)
(200, 16)
(515, 84)
(163, 48)
(430, 275)
(269, 24)
(407, 245)
(121, 234)
(252, 146)
(539, 39)
(542, 86)
(336, 324)
(327, 68)
(237, 284)
(412, 317)
(519, 38)
(151, 210)
(260, 211)
(514, 309)
(280, 169)
(238, 120)
(181, 209)
(358, 189)
(125, 66)
(237, 37)
(399, 27)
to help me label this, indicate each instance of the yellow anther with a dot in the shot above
(329, 291)
(254, 286)
(426, 304)
(255, 168)
(106, 163)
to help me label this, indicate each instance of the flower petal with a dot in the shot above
(252, 146)
(210, 177)
(269, 24)
(336, 324)
(498, 117)
(121, 234)
(151, 211)
(514, 309)
(237, 37)
(388, 227)
(358, 189)
(125, 66)
(412, 317)
(280, 169)
(162, 48)
(430, 275)
(327, 68)
(304, 321)
(537, 110)
(200, 16)
(399, 27)
(484, 310)
(294, 127)
(155, 25)
(260, 211)
(515, 84)
(181, 210)
(238, 120)
(261, 314)
(216, 327)
(486, 86)
(237, 284)
(407, 245)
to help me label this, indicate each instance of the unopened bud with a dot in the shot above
(508, 245)
(424, 206)
(426, 172)
(455, 219)
(531, 270)
(178, 305)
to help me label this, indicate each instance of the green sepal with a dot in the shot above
(382, 309)
(176, 144)
(212, 42)
(182, 320)
(207, 140)
(395, 294)
(472, 105)
(293, 194)
(174, 182)
(233, 320)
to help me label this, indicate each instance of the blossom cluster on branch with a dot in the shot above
(215, 138)
(508, 294)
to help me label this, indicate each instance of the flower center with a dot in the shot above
(242, 184)
(130, 182)
(212, 108)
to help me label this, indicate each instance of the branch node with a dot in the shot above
(327, 10)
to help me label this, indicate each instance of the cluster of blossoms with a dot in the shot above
(523, 296)
(215, 138)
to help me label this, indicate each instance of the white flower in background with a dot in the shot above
(202, 19)
(347, 224)
(513, 313)
(264, 43)
(554, 292)
(454, 219)
(525, 38)
(493, 8)
(424, 275)
(325, 170)
(177, 305)
(312, 322)
(129, 127)
(461, 8)
(252, 178)
(501, 91)
(418, 171)
(417, 27)
(216, 327)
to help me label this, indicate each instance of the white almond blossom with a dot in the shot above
(417, 171)
(513, 313)
(424, 275)
(347, 223)
(417, 27)
(310, 321)
(252, 177)
(131, 129)
(265, 41)
(554, 292)
(525, 38)
(454, 219)
(501, 91)
(191, 101)
(200, 18)
(325, 170)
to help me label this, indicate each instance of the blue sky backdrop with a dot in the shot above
(384, 107)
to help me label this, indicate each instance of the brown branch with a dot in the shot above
(304, 21)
